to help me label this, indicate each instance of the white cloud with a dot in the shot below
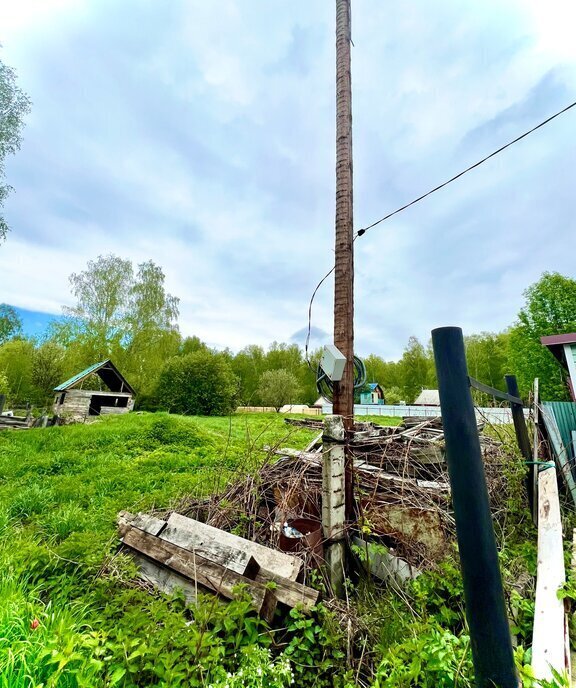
(202, 137)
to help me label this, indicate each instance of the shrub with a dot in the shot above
(201, 383)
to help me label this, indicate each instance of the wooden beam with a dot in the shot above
(227, 549)
(289, 592)
(193, 566)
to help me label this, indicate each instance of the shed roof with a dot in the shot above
(556, 343)
(428, 397)
(106, 371)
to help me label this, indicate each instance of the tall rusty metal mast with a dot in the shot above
(343, 401)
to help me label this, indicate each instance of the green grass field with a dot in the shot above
(72, 616)
(60, 491)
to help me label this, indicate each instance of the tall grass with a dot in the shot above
(63, 624)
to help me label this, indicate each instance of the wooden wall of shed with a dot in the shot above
(77, 403)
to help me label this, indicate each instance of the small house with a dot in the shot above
(72, 399)
(428, 397)
(374, 394)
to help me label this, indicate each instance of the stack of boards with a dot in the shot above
(183, 554)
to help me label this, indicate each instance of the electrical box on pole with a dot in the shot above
(333, 363)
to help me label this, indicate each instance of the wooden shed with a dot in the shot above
(74, 401)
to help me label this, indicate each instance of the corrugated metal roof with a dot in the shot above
(107, 372)
(73, 380)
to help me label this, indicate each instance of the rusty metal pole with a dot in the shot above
(343, 400)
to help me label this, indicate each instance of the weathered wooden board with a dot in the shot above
(289, 592)
(191, 565)
(227, 549)
(149, 524)
(548, 645)
(164, 579)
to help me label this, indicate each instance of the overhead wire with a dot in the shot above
(363, 231)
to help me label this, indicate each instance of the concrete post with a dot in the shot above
(333, 500)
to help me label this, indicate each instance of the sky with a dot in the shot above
(201, 135)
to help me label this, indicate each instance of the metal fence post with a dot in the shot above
(522, 437)
(2, 402)
(483, 593)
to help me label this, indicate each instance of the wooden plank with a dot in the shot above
(212, 576)
(149, 524)
(548, 649)
(289, 592)
(163, 578)
(227, 549)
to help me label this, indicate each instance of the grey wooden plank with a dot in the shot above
(227, 549)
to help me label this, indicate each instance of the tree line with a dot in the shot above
(124, 313)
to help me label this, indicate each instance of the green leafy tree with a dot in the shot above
(192, 344)
(550, 308)
(10, 323)
(47, 369)
(248, 365)
(278, 387)
(14, 105)
(152, 335)
(100, 319)
(487, 360)
(201, 384)
(17, 360)
(416, 368)
(4, 385)
(393, 395)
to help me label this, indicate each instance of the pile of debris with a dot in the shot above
(401, 485)
(8, 421)
(402, 498)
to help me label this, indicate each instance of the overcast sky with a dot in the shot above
(200, 134)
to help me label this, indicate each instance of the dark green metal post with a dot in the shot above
(521, 434)
(2, 402)
(483, 592)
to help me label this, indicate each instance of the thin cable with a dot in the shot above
(363, 231)
(310, 315)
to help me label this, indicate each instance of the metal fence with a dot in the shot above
(497, 416)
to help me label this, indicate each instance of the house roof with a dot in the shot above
(559, 339)
(556, 343)
(106, 371)
(373, 386)
(428, 397)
